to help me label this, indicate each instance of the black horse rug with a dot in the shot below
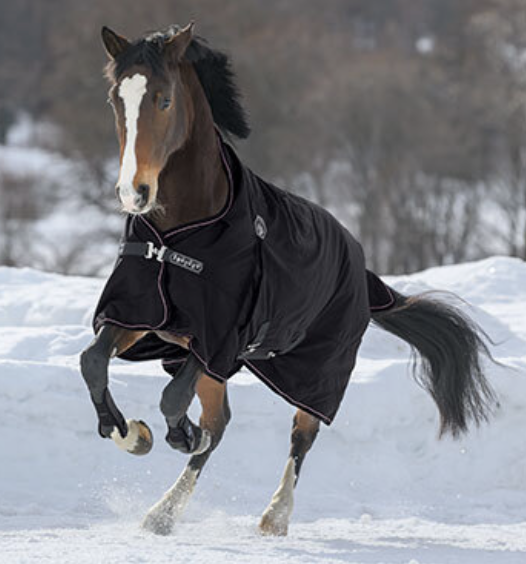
(272, 282)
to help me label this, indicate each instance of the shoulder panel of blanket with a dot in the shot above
(146, 294)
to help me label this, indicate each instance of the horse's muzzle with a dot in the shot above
(134, 200)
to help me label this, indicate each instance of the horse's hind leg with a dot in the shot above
(161, 517)
(275, 519)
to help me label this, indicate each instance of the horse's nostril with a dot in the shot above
(143, 191)
(118, 192)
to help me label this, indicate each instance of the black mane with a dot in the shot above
(212, 66)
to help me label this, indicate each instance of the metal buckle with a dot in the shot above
(152, 250)
(252, 348)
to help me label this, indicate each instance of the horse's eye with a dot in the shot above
(164, 103)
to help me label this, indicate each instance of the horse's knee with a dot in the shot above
(179, 393)
(94, 370)
(92, 359)
(95, 359)
(175, 401)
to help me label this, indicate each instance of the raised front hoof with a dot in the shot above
(189, 438)
(162, 525)
(138, 440)
(271, 526)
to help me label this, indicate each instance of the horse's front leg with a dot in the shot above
(275, 519)
(133, 436)
(177, 396)
(214, 418)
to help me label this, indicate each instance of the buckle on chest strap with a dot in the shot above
(152, 250)
(162, 254)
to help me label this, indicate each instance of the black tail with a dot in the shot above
(451, 348)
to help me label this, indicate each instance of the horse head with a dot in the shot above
(153, 109)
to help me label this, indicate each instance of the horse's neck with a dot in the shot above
(193, 185)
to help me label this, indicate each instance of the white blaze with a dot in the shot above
(132, 91)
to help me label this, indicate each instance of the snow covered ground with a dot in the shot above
(377, 487)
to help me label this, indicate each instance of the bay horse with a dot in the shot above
(219, 269)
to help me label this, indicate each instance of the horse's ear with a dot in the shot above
(113, 43)
(176, 46)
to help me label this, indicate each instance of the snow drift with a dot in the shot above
(377, 487)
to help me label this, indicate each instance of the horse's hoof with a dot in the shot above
(271, 527)
(189, 438)
(158, 524)
(138, 440)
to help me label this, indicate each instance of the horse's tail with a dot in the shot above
(451, 348)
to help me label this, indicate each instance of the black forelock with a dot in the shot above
(213, 68)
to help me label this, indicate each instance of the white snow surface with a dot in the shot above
(378, 487)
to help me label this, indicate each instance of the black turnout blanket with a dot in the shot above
(273, 282)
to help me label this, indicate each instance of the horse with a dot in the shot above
(281, 287)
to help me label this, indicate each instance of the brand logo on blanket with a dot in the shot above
(188, 263)
(260, 227)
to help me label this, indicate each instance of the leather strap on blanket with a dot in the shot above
(162, 254)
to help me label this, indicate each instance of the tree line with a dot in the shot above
(405, 118)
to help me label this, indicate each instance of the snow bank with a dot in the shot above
(377, 487)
